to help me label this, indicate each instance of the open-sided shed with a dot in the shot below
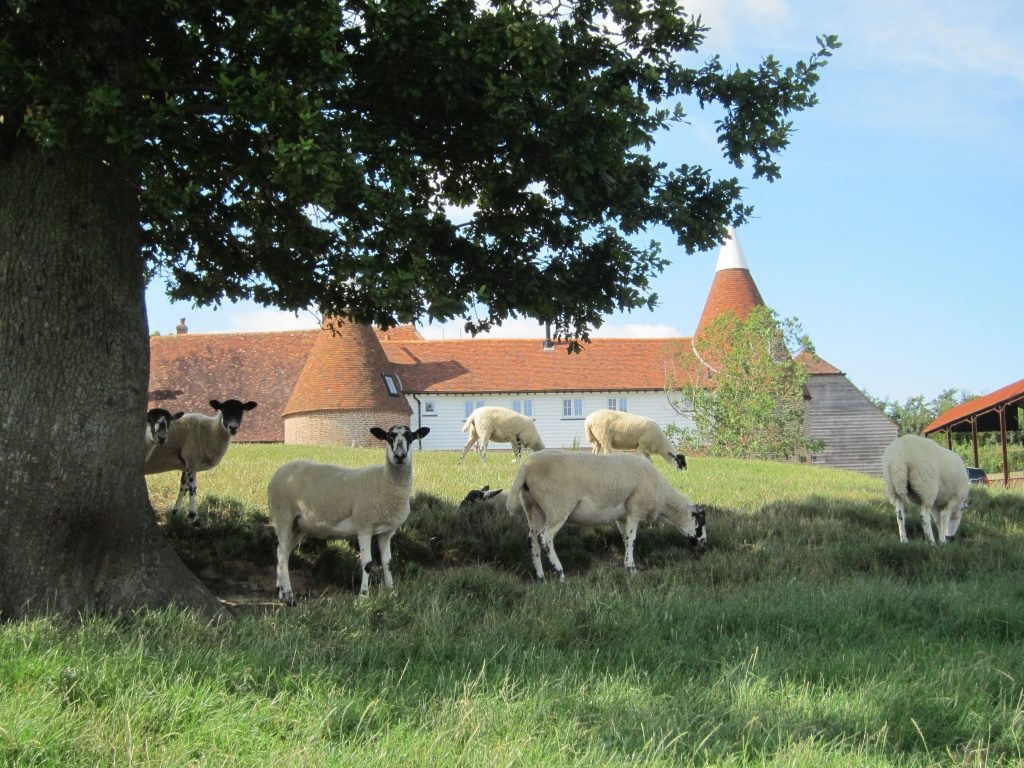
(995, 412)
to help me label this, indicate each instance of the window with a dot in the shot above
(389, 383)
(472, 405)
(524, 407)
(617, 404)
(572, 409)
(430, 407)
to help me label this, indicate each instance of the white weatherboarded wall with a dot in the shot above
(445, 415)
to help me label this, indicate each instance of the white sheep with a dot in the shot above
(502, 425)
(609, 430)
(495, 500)
(158, 425)
(920, 471)
(327, 501)
(197, 442)
(559, 487)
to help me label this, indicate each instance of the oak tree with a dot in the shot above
(307, 154)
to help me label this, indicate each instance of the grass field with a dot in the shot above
(806, 636)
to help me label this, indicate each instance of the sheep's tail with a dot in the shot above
(897, 480)
(514, 503)
(468, 424)
(589, 433)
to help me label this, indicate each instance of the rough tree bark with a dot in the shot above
(79, 534)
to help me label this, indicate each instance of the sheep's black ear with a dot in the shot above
(249, 406)
(421, 433)
(178, 415)
(216, 404)
(492, 494)
(379, 433)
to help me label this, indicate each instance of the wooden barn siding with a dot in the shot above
(854, 430)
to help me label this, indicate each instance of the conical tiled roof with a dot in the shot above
(345, 372)
(733, 287)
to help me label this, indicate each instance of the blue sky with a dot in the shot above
(892, 233)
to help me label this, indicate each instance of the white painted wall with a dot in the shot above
(556, 430)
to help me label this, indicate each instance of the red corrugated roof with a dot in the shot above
(1012, 393)
(522, 365)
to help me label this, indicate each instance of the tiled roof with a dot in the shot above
(189, 370)
(815, 366)
(399, 333)
(522, 365)
(732, 289)
(344, 373)
(983, 409)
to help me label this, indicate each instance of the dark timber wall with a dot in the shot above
(854, 430)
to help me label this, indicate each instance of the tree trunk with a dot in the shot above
(77, 532)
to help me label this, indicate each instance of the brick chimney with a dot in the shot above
(181, 328)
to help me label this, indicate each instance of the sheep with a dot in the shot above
(607, 430)
(501, 425)
(920, 471)
(558, 487)
(196, 443)
(325, 501)
(495, 500)
(158, 423)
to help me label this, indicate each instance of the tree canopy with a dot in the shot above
(307, 154)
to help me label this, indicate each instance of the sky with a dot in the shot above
(891, 234)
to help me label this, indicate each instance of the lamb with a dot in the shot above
(495, 500)
(158, 423)
(196, 443)
(326, 501)
(920, 471)
(558, 487)
(502, 425)
(607, 430)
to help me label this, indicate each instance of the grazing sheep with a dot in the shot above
(158, 423)
(196, 443)
(502, 425)
(558, 487)
(327, 501)
(615, 430)
(920, 471)
(496, 500)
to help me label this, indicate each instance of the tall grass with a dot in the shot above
(807, 635)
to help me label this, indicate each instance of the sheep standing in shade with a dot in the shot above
(616, 430)
(196, 443)
(920, 471)
(559, 487)
(158, 425)
(327, 501)
(501, 425)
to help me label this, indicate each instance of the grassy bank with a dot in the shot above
(807, 635)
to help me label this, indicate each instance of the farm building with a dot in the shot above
(328, 386)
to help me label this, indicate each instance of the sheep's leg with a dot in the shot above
(469, 444)
(628, 530)
(517, 448)
(546, 539)
(192, 488)
(366, 557)
(287, 541)
(926, 523)
(901, 522)
(538, 564)
(953, 521)
(483, 448)
(182, 490)
(384, 544)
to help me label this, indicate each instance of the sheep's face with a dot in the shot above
(476, 496)
(680, 461)
(399, 439)
(231, 412)
(699, 539)
(158, 423)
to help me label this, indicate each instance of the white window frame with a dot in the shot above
(389, 384)
(572, 408)
(523, 406)
(472, 405)
(617, 404)
(430, 408)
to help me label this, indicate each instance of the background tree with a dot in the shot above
(306, 156)
(744, 389)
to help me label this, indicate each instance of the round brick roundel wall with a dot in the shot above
(347, 428)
